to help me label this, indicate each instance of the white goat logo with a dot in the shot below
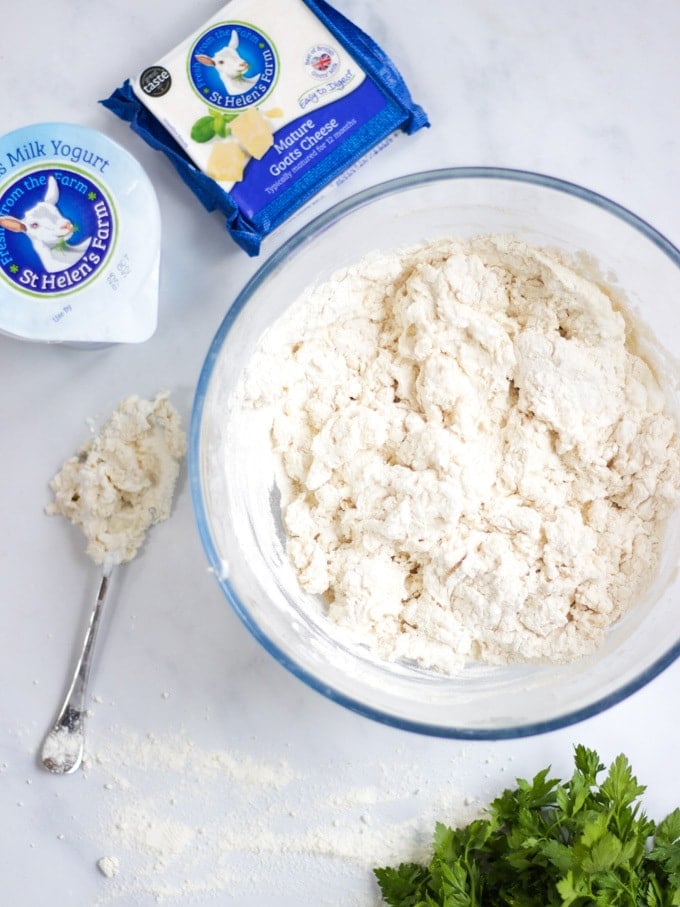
(230, 66)
(48, 230)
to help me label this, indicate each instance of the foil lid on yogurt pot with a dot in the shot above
(79, 238)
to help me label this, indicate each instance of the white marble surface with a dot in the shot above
(588, 91)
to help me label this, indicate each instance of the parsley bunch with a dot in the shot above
(574, 843)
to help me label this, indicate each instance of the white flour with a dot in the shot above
(176, 840)
(61, 747)
(122, 480)
(474, 462)
(108, 866)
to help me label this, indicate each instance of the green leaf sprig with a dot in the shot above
(578, 843)
(215, 123)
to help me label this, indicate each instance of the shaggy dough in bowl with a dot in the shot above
(474, 461)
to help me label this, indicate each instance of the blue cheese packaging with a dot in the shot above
(264, 105)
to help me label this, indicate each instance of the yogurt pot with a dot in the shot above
(79, 238)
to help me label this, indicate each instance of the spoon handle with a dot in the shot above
(62, 750)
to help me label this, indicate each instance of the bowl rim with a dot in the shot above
(278, 256)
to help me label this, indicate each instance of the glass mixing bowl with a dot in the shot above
(234, 491)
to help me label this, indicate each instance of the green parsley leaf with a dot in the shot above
(576, 843)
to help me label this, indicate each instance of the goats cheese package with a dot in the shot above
(265, 104)
(79, 238)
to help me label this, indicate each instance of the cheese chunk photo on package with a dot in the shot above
(266, 104)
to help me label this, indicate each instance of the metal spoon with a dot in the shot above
(62, 751)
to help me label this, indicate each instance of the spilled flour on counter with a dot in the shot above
(108, 866)
(272, 829)
(474, 462)
(122, 481)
